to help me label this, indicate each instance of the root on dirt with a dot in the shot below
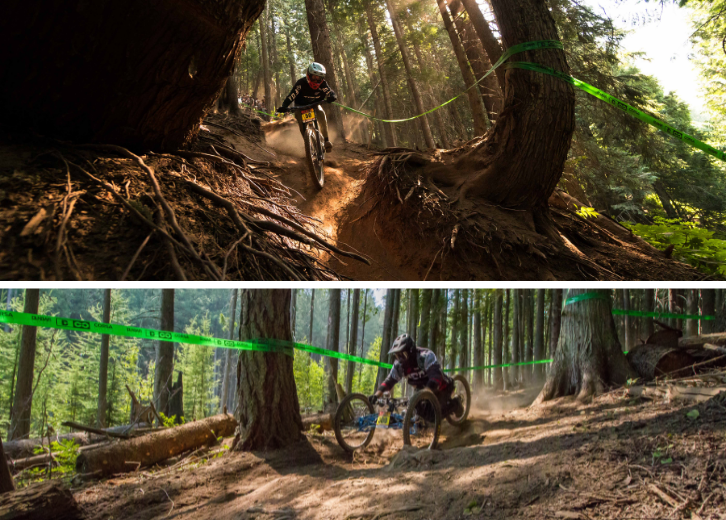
(476, 239)
(103, 212)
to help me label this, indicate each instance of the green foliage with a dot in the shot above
(197, 364)
(170, 422)
(693, 245)
(586, 212)
(309, 380)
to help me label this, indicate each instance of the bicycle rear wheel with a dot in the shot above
(419, 431)
(315, 155)
(463, 391)
(354, 423)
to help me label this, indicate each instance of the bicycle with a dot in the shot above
(314, 143)
(356, 418)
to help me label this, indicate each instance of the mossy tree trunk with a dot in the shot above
(268, 412)
(589, 356)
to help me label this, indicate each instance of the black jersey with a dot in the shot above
(303, 94)
(422, 371)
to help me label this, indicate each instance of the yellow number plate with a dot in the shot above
(383, 420)
(308, 115)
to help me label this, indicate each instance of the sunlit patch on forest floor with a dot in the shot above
(618, 457)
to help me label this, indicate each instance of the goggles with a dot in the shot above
(316, 79)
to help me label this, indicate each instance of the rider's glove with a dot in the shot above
(373, 399)
(330, 99)
(282, 110)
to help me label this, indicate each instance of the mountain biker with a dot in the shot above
(307, 91)
(422, 370)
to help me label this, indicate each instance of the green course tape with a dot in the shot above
(646, 314)
(521, 47)
(273, 116)
(587, 296)
(638, 114)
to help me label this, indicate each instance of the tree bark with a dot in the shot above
(125, 456)
(135, 73)
(290, 57)
(475, 102)
(464, 330)
(103, 363)
(331, 363)
(398, 31)
(6, 479)
(224, 395)
(488, 40)
(477, 342)
(539, 336)
(312, 314)
(515, 334)
(322, 51)
(455, 317)
(555, 320)
(45, 501)
(23, 403)
(390, 130)
(264, 57)
(649, 307)
(424, 324)
(268, 412)
(708, 307)
(164, 354)
(625, 302)
(589, 356)
(497, 319)
(692, 306)
(435, 320)
(353, 340)
(505, 341)
(386, 335)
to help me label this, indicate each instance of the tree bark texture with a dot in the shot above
(164, 354)
(708, 307)
(498, 302)
(264, 56)
(424, 324)
(386, 335)
(649, 307)
(477, 343)
(516, 327)
(23, 402)
(589, 356)
(522, 160)
(435, 320)
(331, 363)
(124, 456)
(228, 354)
(353, 340)
(141, 74)
(45, 501)
(290, 57)
(539, 335)
(322, 50)
(464, 330)
(555, 319)
(268, 412)
(390, 130)
(103, 363)
(488, 40)
(692, 307)
(6, 479)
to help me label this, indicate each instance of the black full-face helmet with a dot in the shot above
(403, 348)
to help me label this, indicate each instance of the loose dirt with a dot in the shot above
(618, 457)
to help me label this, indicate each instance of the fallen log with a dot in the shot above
(29, 462)
(324, 421)
(46, 501)
(718, 339)
(651, 361)
(97, 431)
(129, 455)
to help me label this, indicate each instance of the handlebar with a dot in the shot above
(384, 401)
(305, 107)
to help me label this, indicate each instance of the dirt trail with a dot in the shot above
(558, 460)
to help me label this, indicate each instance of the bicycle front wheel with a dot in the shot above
(354, 423)
(315, 155)
(422, 422)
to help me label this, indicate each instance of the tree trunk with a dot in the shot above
(505, 341)
(228, 354)
(444, 303)
(312, 314)
(708, 307)
(490, 317)
(386, 335)
(515, 334)
(232, 93)
(649, 307)
(455, 317)
(539, 336)
(398, 31)
(390, 130)
(293, 312)
(424, 324)
(6, 479)
(23, 403)
(135, 73)
(322, 51)
(477, 343)
(488, 40)
(164, 354)
(665, 200)
(46, 501)
(464, 329)
(692, 306)
(555, 319)
(290, 56)
(103, 363)
(353, 340)
(331, 363)
(479, 61)
(497, 319)
(268, 412)
(589, 356)
(475, 102)
(125, 456)
(435, 320)
(266, 76)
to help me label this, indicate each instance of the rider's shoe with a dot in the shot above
(328, 146)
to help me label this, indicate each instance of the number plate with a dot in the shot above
(383, 420)
(308, 115)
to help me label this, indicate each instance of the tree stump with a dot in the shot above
(46, 501)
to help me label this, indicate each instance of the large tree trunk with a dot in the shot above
(386, 335)
(103, 363)
(692, 308)
(228, 354)
(475, 102)
(477, 343)
(516, 322)
(424, 324)
(312, 315)
(23, 403)
(353, 340)
(497, 319)
(555, 319)
(268, 412)
(323, 53)
(455, 317)
(398, 31)
(141, 74)
(589, 356)
(265, 62)
(331, 363)
(488, 40)
(290, 56)
(6, 479)
(522, 160)
(435, 321)
(390, 130)
(164, 354)
(708, 307)
(539, 335)
(464, 330)
(46, 501)
(649, 306)
(125, 456)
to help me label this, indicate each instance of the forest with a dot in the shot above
(91, 193)
(611, 360)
